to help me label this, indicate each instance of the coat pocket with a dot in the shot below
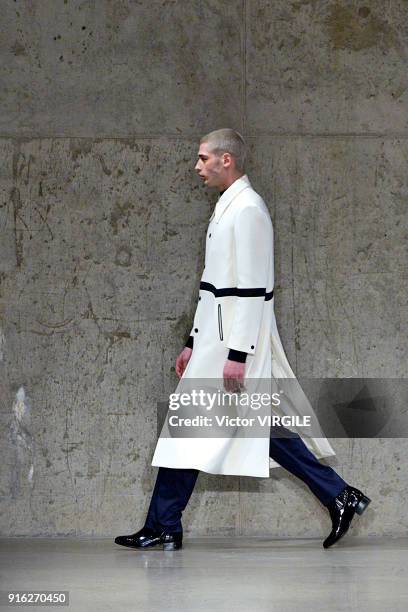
(220, 322)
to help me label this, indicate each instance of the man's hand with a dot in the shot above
(182, 361)
(233, 374)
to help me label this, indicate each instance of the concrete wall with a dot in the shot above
(102, 232)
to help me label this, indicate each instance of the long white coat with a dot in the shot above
(235, 310)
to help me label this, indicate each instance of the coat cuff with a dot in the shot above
(190, 342)
(240, 356)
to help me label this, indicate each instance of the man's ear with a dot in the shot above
(226, 160)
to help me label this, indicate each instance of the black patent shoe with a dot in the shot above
(342, 510)
(148, 538)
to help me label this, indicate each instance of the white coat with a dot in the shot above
(235, 310)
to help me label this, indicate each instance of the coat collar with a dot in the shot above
(229, 194)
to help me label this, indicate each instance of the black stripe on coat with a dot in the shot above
(224, 291)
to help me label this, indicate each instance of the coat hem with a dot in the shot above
(208, 471)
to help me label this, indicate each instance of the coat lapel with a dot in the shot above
(228, 196)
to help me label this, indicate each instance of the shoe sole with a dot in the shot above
(165, 546)
(139, 547)
(172, 545)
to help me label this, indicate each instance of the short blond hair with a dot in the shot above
(227, 140)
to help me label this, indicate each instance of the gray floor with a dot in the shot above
(239, 574)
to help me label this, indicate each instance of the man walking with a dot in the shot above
(235, 338)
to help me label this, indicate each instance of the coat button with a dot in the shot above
(209, 235)
(196, 330)
(199, 297)
(252, 347)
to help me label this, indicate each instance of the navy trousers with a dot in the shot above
(174, 486)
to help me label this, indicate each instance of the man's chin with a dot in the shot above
(208, 183)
